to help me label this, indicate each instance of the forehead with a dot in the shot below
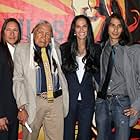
(81, 21)
(115, 21)
(11, 24)
(45, 27)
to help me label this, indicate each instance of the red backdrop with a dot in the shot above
(61, 12)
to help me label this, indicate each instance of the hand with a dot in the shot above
(3, 124)
(130, 112)
(23, 116)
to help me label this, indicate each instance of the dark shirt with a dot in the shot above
(40, 74)
(117, 84)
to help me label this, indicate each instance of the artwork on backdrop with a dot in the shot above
(61, 12)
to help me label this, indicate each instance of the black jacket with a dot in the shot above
(8, 107)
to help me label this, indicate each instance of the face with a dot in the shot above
(42, 35)
(11, 33)
(81, 29)
(115, 29)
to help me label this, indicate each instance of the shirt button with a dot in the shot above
(109, 88)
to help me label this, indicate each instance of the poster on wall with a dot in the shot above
(60, 14)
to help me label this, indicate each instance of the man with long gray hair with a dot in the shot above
(40, 87)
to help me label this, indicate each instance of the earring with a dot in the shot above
(74, 34)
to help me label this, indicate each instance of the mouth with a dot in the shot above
(82, 34)
(42, 42)
(114, 34)
(12, 38)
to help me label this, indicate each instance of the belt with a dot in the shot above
(55, 94)
(118, 96)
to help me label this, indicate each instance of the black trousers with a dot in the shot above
(82, 114)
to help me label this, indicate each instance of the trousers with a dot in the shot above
(50, 117)
(109, 112)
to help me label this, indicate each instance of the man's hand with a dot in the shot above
(3, 124)
(22, 116)
(130, 112)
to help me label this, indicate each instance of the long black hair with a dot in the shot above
(69, 49)
(3, 41)
(125, 37)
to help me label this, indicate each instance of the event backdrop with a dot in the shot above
(60, 14)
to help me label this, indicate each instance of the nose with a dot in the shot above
(116, 28)
(81, 29)
(43, 35)
(12, 32)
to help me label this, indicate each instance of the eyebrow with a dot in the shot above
(114, 23)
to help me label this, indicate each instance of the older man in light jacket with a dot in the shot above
(30, 88)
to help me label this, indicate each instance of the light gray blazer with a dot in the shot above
(132, 75)
(24, 81)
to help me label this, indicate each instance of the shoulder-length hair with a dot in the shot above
(70, 48)
(125, 37)
(4, 44)
(3, 41)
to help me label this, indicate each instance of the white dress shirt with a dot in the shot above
(80, 71)
(11, 49)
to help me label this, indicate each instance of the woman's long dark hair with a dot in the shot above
(70, 48)
(125, 37)
(3, 41)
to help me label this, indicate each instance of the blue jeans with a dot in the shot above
(111, 111)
